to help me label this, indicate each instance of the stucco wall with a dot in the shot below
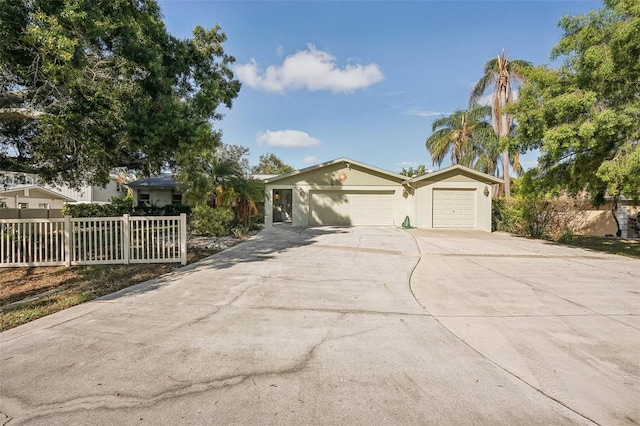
(600, 222)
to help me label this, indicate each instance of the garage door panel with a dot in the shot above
(344, 208)
(454, 208)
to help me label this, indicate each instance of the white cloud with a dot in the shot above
(290, 139)
(309, 69)
(310, 159)
(424, 113)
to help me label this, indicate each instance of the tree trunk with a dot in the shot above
(504, 131)
(614, 208)
(506, 175)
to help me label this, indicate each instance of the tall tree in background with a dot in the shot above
(271, 164)
(585, 117)
(90, 85)
(418, 171)
(455, 136)
(501, 75)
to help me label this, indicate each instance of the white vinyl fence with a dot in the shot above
(91, 241)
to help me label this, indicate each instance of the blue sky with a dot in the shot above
(362, 79)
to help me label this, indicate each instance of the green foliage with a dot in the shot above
(584, 117)
(208, 221)
(117, 207)
(200, 179)
(411, 172)
(567, 237)
(87, 86)
(271, 164)
(506, 215)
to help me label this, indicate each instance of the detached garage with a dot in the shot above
(344, 192)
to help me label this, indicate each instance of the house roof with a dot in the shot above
(348, 162)
(159, 181)
(483, 177)
(48, 192)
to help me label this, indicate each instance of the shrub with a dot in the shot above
(506, 215)
(537, 216)
(209, 221)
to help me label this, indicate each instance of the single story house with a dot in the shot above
(345, 192)
(159, 190)
(31, 201)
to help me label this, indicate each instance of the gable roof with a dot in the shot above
(483, 177)
(158, 181)
(48, 192)
(348, 162)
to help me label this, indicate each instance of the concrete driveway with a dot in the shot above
(353, 326)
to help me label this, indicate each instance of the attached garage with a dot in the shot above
(454, 208)
(351, 208)
(344, 192)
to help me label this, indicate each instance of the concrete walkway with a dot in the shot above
(344, 326)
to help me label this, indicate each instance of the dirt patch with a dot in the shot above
(18, 284)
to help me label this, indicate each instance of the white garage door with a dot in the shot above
(454, 208)
(351, 208)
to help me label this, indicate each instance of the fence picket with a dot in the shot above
(83, 241)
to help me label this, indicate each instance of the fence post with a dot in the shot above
(183, 238)
(67, 241)
(126, 239)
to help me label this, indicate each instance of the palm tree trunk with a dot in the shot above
(506, 175)
(504, 131)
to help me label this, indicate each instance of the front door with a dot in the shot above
(282, 199)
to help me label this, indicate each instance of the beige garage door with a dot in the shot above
(344, 208)
(454, 208)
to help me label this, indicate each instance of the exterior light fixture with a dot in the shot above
(486, 191)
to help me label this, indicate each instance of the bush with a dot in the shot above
(506, 215)
(209, 221)
(537, 216)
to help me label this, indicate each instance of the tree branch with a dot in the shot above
(8, 114)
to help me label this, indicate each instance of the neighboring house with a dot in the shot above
(344, 192)
(60, 194)
(94, 194)
(21, 196)
(32, 197)
(157, 191)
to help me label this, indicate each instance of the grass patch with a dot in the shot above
(623, 247)
(71, 286)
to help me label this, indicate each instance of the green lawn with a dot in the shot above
(629, 248)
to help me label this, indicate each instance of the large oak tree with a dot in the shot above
(585, 117)
(87, 86)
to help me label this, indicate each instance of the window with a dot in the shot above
(23, 205)
(176, 199)
(43, 206)
(143, 200)
(3, 204)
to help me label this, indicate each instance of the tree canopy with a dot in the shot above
(585, 117)
(92, 85)
(271, 164)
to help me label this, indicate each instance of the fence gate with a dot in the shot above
(93, 241)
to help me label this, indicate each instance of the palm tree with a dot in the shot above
(455, 135)
(488, 157)
(501, 74)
